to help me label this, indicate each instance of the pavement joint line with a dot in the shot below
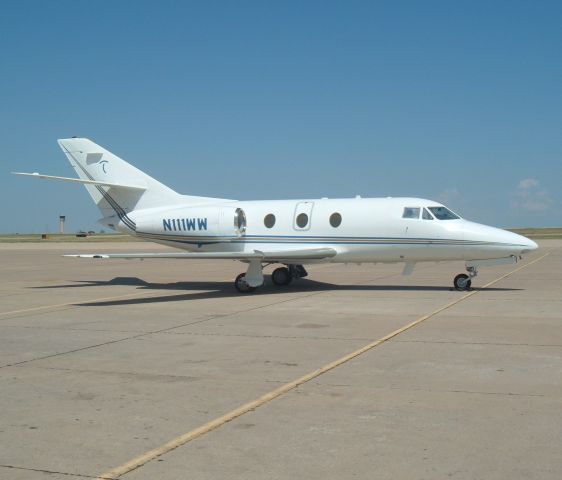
(42, 470)
(167, 447)
(151, 375)
(144, 334)
(164, 330)
(71, 304)
(421, 389)
(497, 344)
(197, 334)
(435, 390)
(114, 372)
(261, 337)
(505, 394)
(66, 329)
(78, 303)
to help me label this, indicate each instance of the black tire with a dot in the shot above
(462, 282)
(281, 276)
(241, 285)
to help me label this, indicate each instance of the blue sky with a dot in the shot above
(456, 101)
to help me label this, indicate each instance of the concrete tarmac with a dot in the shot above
(104, 361)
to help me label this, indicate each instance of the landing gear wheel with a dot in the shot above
(241, 284)
(462, 282)
(281, 276)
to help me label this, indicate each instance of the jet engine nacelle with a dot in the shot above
(204, 221)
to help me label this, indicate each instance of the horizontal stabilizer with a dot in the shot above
(82, 181)
(280, 257)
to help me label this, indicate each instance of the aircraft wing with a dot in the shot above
(286, 256)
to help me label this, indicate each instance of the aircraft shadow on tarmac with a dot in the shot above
(210, 290)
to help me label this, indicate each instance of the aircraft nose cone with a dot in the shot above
(527, 245)
(530, 244)
(495, 241)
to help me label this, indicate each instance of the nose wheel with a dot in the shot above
(463, 281)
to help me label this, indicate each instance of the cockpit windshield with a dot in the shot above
(443, 213)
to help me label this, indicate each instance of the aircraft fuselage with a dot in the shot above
(359, 229)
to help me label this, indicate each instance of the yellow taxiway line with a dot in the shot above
(268, 397)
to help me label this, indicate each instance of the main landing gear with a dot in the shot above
(281, 276)
(248, 282)
(463, 281)
(284, 275)
(242, 285)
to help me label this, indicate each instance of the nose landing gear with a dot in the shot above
(463, 281)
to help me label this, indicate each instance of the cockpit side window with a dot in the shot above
(443, 213)
(426, 215)
(411, 212)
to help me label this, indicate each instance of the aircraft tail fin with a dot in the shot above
(105, 172)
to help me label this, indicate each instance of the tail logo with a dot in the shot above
(103, 163)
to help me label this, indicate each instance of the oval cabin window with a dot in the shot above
(302, 220)
(269, 220)
(335, 220)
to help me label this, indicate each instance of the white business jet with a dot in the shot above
(292, 233)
